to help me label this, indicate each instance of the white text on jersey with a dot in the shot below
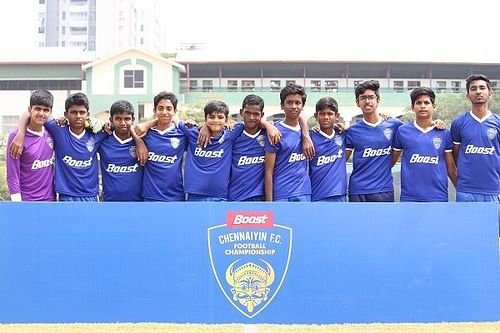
(208, 153)
(161, 158)
(247, 160)
(329, 159)
(417, 158)
(38, 164)
(122, 169)
(471, 149)
(296, 158)
(77, 163)
(369, 152)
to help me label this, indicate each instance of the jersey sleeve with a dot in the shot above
(349, 140)
(449, 141)
(455, 131)
(396, 141)
(13, 169)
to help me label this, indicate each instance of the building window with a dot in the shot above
(232, 84)
(275, 85)
(78, 31)
(331, 85)
(133, 79)
(41, 2)
(63, 15)
(494, 85)
(289, 82)
(63, 30)
(248, 85)
(398, 86)
(315, 85)
(441, 86)
(193, 84)
(9, 123)
(357, 83)
(207, 85)
(413, 84)
(455, 86)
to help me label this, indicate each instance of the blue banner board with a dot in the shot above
(249, 262)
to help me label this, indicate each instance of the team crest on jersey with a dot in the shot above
(261, 140)
(338, 140)
(132, 151)
(175, 142)
(388, 133)
(437, 142)
(90, 145)
(50, 142)
(492, 133)
(250, 257)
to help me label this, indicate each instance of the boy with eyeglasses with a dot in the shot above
(371, 141)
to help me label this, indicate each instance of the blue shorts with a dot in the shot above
(373, 197)
(206, 198)
(70, 198)
(299, 198)
(335, 198)
(476, 197)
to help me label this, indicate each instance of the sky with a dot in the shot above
(385, 27)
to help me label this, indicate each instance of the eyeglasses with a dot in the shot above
(370, 98)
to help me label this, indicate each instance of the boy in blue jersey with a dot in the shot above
(121, 172)
(371, 141)
(286, 176)
(166, 143)
(327, 169)
(208, 168)
(476, 145)
(427, 153)
(246, 182)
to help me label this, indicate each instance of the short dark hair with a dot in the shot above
(367, 85)
(42, 97)
(121, 106)
(475, 77)
(216, 106)
(293, 89)
(76, 99)
(166, 95)
(422, 91)
(327, 103)
(253, 100)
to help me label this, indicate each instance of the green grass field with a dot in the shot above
(239, 328)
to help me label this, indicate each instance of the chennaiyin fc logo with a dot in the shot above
(261, 140)
(250, 256)
(175, 142)
(132, 152)
(436, 142)
(492, 133)
(388, 133)
(90, 145)
(50, 142)
(338, 140)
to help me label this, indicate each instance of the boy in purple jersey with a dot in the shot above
(327, 169)
(30, 177)
(120, 170)
(371, 139)
(286, 176)
(166, 143)
(476, 145)
(427, 153)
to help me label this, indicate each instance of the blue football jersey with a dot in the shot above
(120, 170)
(372, 162)
(76, 168)
(478, 164)
(247, 167)
(163, 171)
(291, 174)
(207, 169)
(327, 169)
(424, 176)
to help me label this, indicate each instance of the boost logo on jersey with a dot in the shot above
(250, 255)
